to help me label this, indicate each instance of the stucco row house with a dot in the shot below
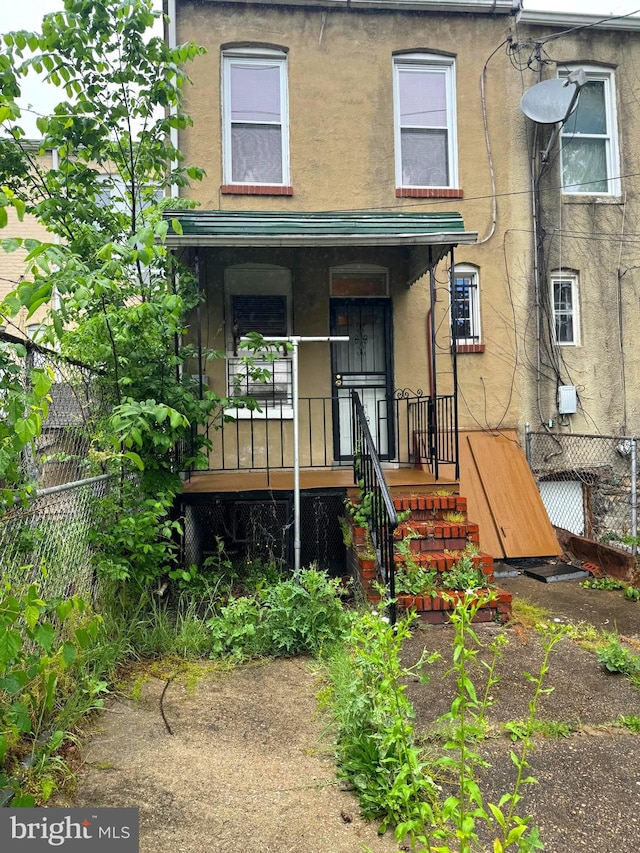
(374, 172)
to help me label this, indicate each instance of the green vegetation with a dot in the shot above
(631, 722)
(397, 781)
(602, 583)
(517, 729)
(631, 593)
(617, 658)
(44, 660)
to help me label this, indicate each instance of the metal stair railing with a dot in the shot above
(369, 478)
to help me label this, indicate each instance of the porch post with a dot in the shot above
(297, 541)
(454, 350)
(295, 341)
(433, 415)
(196, 268)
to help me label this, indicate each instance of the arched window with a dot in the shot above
(465, 306)
(255, 116)
(258, 299)
(425, 120)
(565, 306)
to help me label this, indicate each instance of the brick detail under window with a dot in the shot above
(462, 348)
(427, 192)
(255, 189)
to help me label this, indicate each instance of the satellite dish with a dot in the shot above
(550, 101)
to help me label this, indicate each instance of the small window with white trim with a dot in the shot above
(425, 121)
(465, 308)
(565, 305)
(589, 155)
(258, 299)
(255, 117)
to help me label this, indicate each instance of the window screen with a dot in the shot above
(264, 314)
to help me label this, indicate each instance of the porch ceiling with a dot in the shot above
(426, 236)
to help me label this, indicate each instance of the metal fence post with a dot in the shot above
(634, 496)
(527, 443)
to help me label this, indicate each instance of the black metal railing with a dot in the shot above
(418, 431)
(370, 481)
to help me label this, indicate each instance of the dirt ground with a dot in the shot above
(249, 764)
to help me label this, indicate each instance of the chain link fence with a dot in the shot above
(588, 484)
(48, 540)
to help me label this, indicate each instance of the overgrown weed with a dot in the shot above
(399, 780)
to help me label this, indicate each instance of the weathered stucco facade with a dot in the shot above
(342, 158)
(591, 238)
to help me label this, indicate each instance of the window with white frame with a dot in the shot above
(564, 300)
(425, 121)
(258, 299)
(114, 194)
(255, 117)
(589, 138)
(465, 308)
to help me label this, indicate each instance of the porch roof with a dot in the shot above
(426, 236)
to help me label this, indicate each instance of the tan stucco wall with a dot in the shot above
(597, 238)
(342, 158)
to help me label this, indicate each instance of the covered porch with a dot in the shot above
(369, 278)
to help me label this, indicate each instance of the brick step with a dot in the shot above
(435, 608)
(437, 535)
(443, 561)
(434, 506)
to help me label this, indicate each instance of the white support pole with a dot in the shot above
(297, 540)
(295, 341)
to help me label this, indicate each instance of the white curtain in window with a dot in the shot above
(584, 142)
(584, 165)
(256, 154)
(255, 92)
(423, 98)
(424, 158)
(256, 131)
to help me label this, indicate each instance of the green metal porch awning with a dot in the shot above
(426, 236)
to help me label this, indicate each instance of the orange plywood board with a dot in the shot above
(503, 498)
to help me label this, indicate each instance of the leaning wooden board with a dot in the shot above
(503, 497)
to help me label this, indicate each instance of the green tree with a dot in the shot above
(121, 302)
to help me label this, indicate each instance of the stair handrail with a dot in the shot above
(369, 477)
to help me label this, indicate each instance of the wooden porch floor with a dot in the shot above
(398, 479)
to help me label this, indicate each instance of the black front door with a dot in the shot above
(363, 364)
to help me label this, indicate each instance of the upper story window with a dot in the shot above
(255, 117)
(465, 309)
(425, 121)
(589, 139)
(565, 305)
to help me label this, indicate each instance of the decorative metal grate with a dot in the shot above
(262, 529)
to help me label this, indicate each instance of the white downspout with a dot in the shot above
(172, 40)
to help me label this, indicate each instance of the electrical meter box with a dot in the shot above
(567, 399)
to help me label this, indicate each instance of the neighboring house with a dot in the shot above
(12, 264)
(583, 291)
